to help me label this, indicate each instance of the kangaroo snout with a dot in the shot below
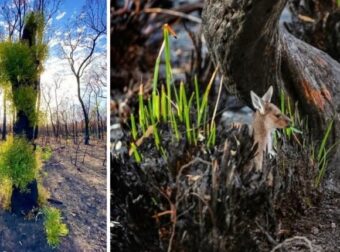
(284, 122)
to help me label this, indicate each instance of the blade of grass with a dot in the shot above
(175, 126)
(324, 139)
(205, 98)
(133, 127)
(181, 102)
(168, 72)
(141, 112)
(155, 78)
(197, 92)
(136, 154)
(156, 109)
(147, 117)
(163, 104)
(193, 130)
(212, 137)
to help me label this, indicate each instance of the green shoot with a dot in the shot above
(212, 137)
(156, 106)
(205, 98)
(155, 98)
(187, 122)
(156, 135)
(163, 104)
(293, 115)
(188, 115)
(171, 105)
(197, 92)
(174, 126)
(182, 101)
(168, 72)
(136, 155)
(133, 127)
(322, 156)
(324, 140)
(142, 120)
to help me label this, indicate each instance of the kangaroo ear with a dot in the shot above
(257, 102)
(268, 95)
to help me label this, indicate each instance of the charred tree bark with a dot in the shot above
(24, 201)
(4, 120)
(254, 52)
(316, 22)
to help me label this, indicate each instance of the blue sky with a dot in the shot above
(55, 65)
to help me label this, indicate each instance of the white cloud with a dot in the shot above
(53, 42)
(61, 15)
(55, 66)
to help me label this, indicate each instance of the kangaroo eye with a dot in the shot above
(278, 115)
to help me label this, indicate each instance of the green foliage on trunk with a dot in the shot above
(18, 162)
(24, 99)
(17, 66)
(21, 66)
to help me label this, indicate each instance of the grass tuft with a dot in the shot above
(54, 227)
(172, 105)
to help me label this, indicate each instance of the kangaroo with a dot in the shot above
(266, 119)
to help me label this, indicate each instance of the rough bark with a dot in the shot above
(316, 22)
(24, 201)
(254, 52)
(4, 122)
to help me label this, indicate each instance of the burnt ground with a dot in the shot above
(82, 191)
(301, 210)
(321, 223)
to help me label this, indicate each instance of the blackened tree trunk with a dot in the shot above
(4, 119)
(254, 52)
(316, 22)
(24, 201)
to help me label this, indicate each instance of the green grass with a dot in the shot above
(323, 154)
(172, 105)
(319, 153)
(45, 152)
(54, 227)
(294, 116)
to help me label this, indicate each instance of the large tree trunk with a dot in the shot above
(4, 122)
(253, 52)
(25, 201)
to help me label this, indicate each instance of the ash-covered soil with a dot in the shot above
(82, 191)
(321, 223)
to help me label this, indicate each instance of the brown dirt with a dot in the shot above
(82, 191)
